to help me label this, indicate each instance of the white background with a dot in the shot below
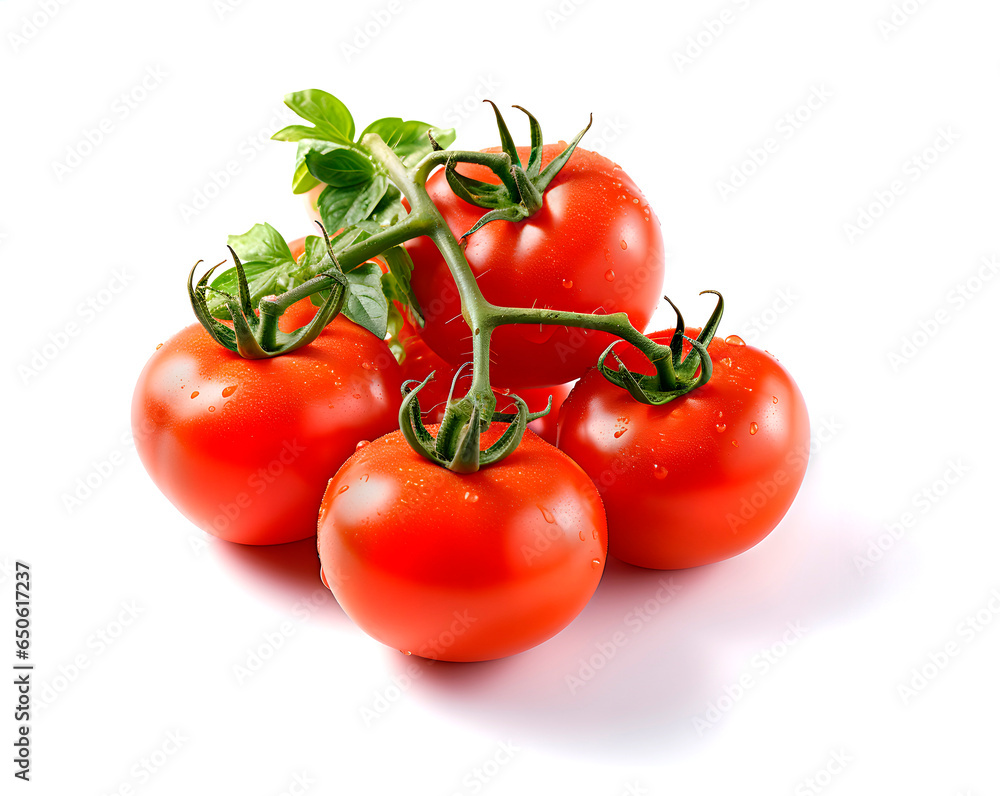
(839, 310)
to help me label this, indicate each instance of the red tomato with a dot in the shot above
(701, 478)
(244, 447)
(594, 246)
(420, 362)
(461, 567)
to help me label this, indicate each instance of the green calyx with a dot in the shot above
(255, 333)
(456, 445)
(676, 374)
(519, 194)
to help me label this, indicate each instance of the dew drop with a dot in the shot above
(595, 563)
(357, 395)
(728, 362)
(229, 391)
(549, 517)
(774, 399)
(343, 489)
(406, 652)
(659, 471)
(361, 444)
(211, 409)
(159, 346)
(322, 574)
(623, 244)
(194, 394)
(753, 428)
(567, 283)
(735, 444)
(619, 432)
(364, 478)
(734, 339)
(720, 427)
(609, 274)
(582, 537)
(366, 365)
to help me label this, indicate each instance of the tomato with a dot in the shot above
(594, 246)
(420, 362)
(461, 567)
(244, 447)
(701, 478)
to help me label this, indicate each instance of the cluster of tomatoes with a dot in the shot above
(482, 565)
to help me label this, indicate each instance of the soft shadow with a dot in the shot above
(284, 573)
(678, 653)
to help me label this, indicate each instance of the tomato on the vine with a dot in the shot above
(703, 477)
(461, 567)
(594, 246)
(244, 448)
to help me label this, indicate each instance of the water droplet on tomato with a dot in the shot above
(364, 478)
(659, 471)
(619, 432)
(211, 409)
(229, 391)
(735, 444)
(726, 361)
(720, 427)
(194, 394)
(366, 365)
(546, 514)
(735, 339)
(567, 283)
(623, 244)
(774, 399)
(322, 574)
(361, 444)
(753, 428)
(159, 346)
(406, 652)
(582, 537)
(343, 489)
(609, 274)
(595, 563)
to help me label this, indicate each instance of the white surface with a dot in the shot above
(892, 431)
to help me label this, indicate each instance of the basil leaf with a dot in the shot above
(332, 119)
(342, 207)
(302, 180)
(389, 209)
(262, 243)
(409, 139)
(396, 282)
(366, 304)
(339, 167)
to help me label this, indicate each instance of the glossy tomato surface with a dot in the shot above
(420, 362)
(244, 448)
(701, 478)
(594, 246)
(462, 567)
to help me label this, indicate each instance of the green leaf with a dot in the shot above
(389, 209)
(366, 304)
(332, 120)
(396, 283)
(342, 207)
(339, 167)
(409, 139)
(302, 180)
(262, 243)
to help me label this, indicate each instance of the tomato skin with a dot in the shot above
(420, 362)
(567, 256)
(249, 464)
(423, 568)
(702, 478)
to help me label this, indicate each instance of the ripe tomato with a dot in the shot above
(699, 479)
(594, 246)
(420, 362)
(461, 567)
(244, 447)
